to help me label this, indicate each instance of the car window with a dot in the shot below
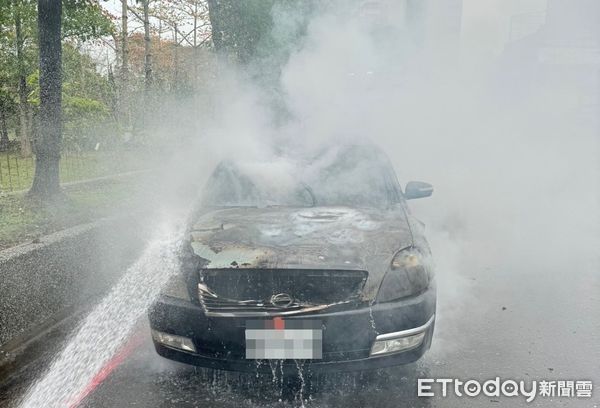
(228, 186)
(356, 177)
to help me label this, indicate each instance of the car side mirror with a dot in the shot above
(417, 189)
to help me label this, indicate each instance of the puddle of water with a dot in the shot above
(107, 327)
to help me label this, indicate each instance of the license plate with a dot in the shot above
(280, 339)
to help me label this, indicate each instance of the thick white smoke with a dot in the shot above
(507, 138)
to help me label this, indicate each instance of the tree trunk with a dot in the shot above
(23, 104)
(175, 59)
(124, 37)
(214, 15)
(4, 142)
(46, 182)
(125, 108)
(147, 46)
(195, 63)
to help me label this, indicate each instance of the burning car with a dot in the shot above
(333, 271)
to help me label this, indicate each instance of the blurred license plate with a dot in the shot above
(281, 339)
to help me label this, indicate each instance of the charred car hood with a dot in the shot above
(303, 238)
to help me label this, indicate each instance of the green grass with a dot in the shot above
(16, 172)
(22, 220)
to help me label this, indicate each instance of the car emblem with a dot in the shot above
(282, 300)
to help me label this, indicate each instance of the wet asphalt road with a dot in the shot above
(543, 326)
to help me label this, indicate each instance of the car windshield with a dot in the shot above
(355, 177)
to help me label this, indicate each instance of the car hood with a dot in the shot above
(302, 238)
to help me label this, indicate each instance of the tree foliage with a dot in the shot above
(238, 27)
(82, 20)
(85, 20)
(151, 52)
(87, 97)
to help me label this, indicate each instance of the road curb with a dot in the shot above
(8, 254)
(62, 269)
(85, 181)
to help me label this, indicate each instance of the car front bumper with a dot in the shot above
(348, 335)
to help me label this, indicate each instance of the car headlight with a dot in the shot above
(409, 274)
(176, 288)
(174, 341)
(397, 345)
(404, 340)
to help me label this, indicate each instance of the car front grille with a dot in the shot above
(265, 292)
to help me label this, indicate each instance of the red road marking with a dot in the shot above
(134, 342)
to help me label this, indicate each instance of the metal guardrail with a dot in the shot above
(16, 171)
